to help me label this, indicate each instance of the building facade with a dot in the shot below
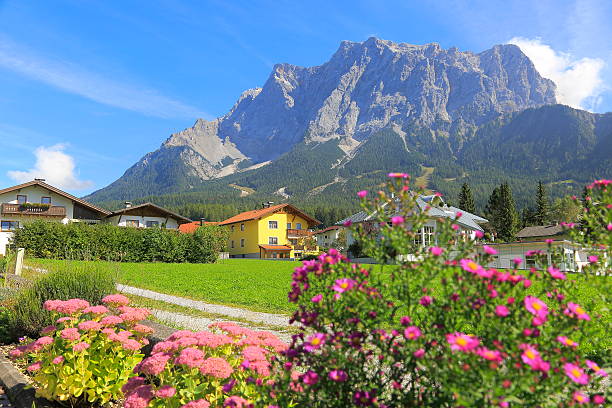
(328, 237)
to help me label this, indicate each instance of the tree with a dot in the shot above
(507, 216)
(466, 199)
(542, 212)
(528, 217)
(566, 209)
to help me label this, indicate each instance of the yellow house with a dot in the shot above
(273, 232)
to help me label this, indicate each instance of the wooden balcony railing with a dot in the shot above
(297, 233)
(20, 209)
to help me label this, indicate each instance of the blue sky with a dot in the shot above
(88, 87)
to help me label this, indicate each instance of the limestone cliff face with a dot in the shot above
(365, 87)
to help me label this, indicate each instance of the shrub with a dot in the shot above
(79, 241)
(440, 331)
(5, 317)
(28, 316)
(204, 369)
(86, 357)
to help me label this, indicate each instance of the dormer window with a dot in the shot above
(22, 199)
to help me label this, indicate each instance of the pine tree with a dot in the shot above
(542, 213)
(492, 208)
(507, 216)
(466, 199)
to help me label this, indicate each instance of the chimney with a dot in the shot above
(39, 179)
(202, 220)
(128, 204)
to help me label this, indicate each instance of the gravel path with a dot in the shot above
(4, 402)
(201, 323)
(268, 319)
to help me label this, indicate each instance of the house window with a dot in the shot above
(232, 228)
(272, 240)
(241, 227)
(242, 242)
(273, 224)
(428, 235)
(530, 261)
(232, 243)
(132, 223)
(9, 225)
(418, 238)
(22, 199)
(151, 224)
(298, 225)
(45, 200)
(288, 225)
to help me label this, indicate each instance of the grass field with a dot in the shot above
(254, 284)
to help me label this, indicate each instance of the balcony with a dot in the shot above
(44, 211)
(298, 233)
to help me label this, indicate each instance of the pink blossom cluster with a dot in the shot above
(68, 307)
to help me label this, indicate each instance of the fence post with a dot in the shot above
(19, 261)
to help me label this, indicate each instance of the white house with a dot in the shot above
(328, 236)
(567, 255)
(435, 208)
(36, 200)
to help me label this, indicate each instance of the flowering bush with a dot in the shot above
(86, 357)
(437, 329)
(204, 369)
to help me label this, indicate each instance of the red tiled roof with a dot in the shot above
(191, 227)
(333, 227)
(276, 247)
(255, 214)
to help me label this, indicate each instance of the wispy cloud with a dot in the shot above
(72, 78)
(54, 165)
(579, 81)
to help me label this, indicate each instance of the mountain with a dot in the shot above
(316, 135)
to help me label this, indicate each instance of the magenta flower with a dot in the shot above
(489, 250)
(597, 369)
(71, 334)
(111, 320)
(362, 193)
(48, 330)
(139, 397)
(155, 364)
(517, 261)
(398, 175)
(412, 332)
(436, 251)
(501, 311)
(216, 367)
(342, 285)
(44, 341)
(536, 307)
(310, 378)
(580, 397)
(35, 367)
(191, 357)
(470, 266)
(491, 355)
(90, 325)
(577, 311)
(532, 358)
(575, 373)
(419, 353)
(363, 398)
(165, 391)
(479, 234)
(348, 223)
(610, 227)
(97, 310)
(593, 258)
(317, 298)
(58, 360)
(82, 346)
(314, 342)
(338, 376)
(567, 342)
(426, 300)
(202, 403)
(397, 220)
(462, 342)
(556, 273)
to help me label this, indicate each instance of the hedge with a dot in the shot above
(78, 241)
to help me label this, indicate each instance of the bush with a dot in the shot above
(85, 357)
(204, 368)
(79, 241)
(5, 331)
(28, 316)
(440, 331)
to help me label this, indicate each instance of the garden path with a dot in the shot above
(268, 319)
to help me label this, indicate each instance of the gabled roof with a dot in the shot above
(191, 227)
(261, 212)
(424, 204)
(57, 191)
(333, 227)
(179, 218)
(540, 231)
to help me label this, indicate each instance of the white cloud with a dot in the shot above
(71, 78)
(579, 81)
(55, 166)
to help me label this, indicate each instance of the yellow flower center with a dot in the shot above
(576, 373)
(596, 367)
(473, 266)
(580, 310)
(490, 354)
(530, 354)
(579, 398)
(537, 306)
(461, 341)
(569, 342)
(344, 285)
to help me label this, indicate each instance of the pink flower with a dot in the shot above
(580, 397)
(397, 220)
(462, 342)
(314, 342)
(489, 250)
(71, 334)
(310, 378)
(517, 261)
(58, 360)
(139, 397)
(598, 399)
(436, 251)
(536, 307)
(236, 401)
(111, 320)
(491, 355)
(97, 310)
(165, 391)
(35, 367)
(362, 193)
(342, 285)
(479, 234)
(412, 333)
(593, 258)
(132, 384)
(254, 353)
(578, 311)
(501, 311)
(398, 175)
(575, 373)
(598, 370)
(317, 298)
(197, 404)
(470, 266)
(338, 376)
(48, 330)
(155, 364)
(44, 341)
(426, 300)
(455, 227)
(116, 300)
(216, 367)
(142, 329)
(82, 346)
(567, 342)
(532, 358)
(419, 353)
(190, 357)
(610, 227)
(347, 223)
(556, 273)
(90, 325)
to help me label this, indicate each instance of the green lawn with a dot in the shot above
(250, 283)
